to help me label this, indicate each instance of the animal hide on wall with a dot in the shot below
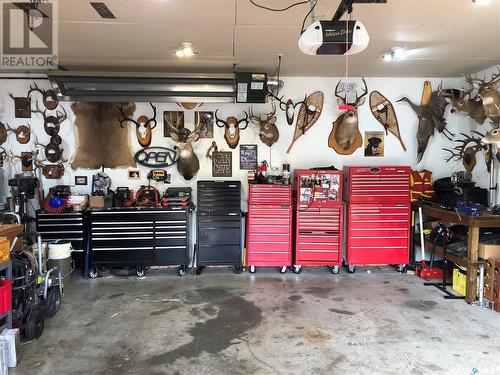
(100, 141)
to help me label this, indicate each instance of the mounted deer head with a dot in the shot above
(465, 152)
(143, 126)
(188, 163)
(345, 137)
(232, 127)
(268, 131)
(489, 92)
(51, 123)
(50, 99)
(493, 138)
(466, 105)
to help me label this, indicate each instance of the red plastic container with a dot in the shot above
(269, 226)
(5, 296)
(378, 215)
(318, 229)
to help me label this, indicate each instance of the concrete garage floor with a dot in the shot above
(220, 323)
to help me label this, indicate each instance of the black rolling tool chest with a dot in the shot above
(69, 226)
(219, 224)
(140, 237)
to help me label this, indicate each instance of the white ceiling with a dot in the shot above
(444, 37)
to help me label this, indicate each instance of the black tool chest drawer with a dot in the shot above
(64, 226)
(219, 196)
(219, 223)
(140, 237)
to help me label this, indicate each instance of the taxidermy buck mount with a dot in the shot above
(466, 105)
(467, 151)
(493, 138)
(51, 123)
(288, 107)
(50, 171)
(53, 152)
(143, 126)
(430, 117)
(489, 92)
(268, 131)
(232, 127)
(49, 97)
(22, 132)
(188, 164)
(345, 137)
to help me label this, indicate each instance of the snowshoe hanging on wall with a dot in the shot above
(329, 38)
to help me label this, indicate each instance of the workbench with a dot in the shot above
(474, 223)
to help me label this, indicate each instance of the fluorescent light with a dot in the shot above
(396, 53)
(186, 50)
(482, 2)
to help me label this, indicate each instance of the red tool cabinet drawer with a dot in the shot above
(317, 255)
(269, 237)
(376, 184)
(266, 228)
(379, 240)
(317, 238)
(270, 194)
(378, 255)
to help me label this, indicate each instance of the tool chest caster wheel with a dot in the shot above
(296, 269)
(182, 271)
(140, 271)
(402, 268)
(198, 271)
(252, 269)
(238, 269)
(351, 268)
(94, 273)
(335, 270)
(283, 269)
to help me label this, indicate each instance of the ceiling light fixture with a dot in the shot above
(396, 53)
(186, 50)
(481, 2)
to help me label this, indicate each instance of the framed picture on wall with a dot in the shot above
(207, 119)
(222, 164)
(374, 144)
(248, 157)
(176, 118)
(81, 180)
(134, 174)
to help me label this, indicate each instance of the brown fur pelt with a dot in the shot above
(100, 141)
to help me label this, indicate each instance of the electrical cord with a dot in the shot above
(289, 7)
(279, 9)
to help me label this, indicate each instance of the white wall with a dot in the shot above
(310, 150)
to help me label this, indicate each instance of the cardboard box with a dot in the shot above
(12, 339)
(97, 201)
(489, 251)
(459, 282)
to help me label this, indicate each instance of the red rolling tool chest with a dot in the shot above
(318, 226)
(269, 226)
(378, 215)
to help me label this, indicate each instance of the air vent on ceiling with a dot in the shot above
(102, 9)
(191, 89)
